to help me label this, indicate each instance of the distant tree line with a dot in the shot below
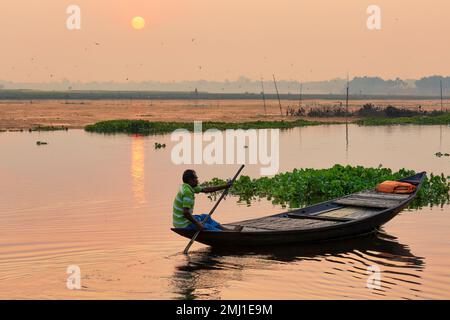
(359, 86)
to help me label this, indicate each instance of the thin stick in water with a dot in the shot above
(276, 88)
(300, 101)
(263, 96)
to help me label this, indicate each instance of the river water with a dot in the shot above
(103, 204)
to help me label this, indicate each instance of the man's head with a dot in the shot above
(190, 177)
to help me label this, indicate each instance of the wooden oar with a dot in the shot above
(224, 193)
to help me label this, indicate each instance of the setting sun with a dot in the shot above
(138, 23)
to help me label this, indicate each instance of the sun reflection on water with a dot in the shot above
(138, 169)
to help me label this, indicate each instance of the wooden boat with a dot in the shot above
(345, 217)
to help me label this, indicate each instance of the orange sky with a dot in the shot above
(295, 39)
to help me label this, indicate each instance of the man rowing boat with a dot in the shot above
(183, 206)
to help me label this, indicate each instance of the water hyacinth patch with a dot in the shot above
(145, 127)
(303, 187)
(443, 119)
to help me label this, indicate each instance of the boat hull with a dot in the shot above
(337, 231)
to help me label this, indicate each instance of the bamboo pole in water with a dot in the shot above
(346, 118)
(276, 88)
(301, 89)
(346, 101)
(263, 96)
(440, 127)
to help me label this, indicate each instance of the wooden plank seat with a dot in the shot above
(318, 217)
(381, 195)
(354, 212)
(277, 223)
(358, 201)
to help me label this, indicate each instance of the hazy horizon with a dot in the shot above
(302, 40)
(429, 86)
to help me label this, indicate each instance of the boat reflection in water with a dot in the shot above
(337, 269)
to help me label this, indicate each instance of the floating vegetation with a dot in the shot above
(304, 187)
(48, 128)
(159, 145)
(41, 143)
(145, 127)
(440, 154)
(443, 119)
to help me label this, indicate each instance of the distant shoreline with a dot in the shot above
(9, 94)
(32, 113)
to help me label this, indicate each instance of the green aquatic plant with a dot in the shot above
(303, 187)
(145, 127)
(443, 119)
(434, 192)
(49, 128)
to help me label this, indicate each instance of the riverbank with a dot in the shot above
(78, 114)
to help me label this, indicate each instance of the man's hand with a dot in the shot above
(200, 227)
(187, 214)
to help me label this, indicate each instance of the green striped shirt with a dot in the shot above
(185, 199)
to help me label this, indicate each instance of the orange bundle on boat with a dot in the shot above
(396, 187)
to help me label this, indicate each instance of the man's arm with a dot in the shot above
(187, 214)
(216, 188)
